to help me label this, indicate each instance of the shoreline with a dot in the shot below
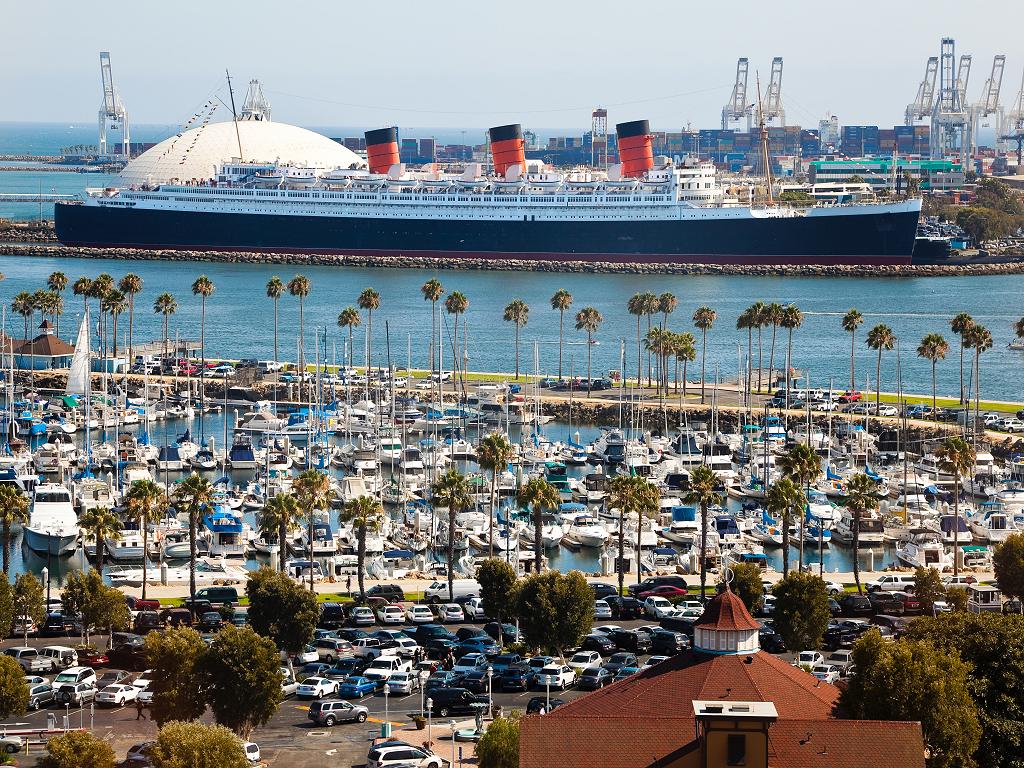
(51, 250)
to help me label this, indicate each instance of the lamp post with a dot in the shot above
(387, 718)
(423, 686)
(490, 691)
(547, 695)
(451, 724)
(430, 707)
(45, 576)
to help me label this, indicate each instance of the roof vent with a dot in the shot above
(748, 660)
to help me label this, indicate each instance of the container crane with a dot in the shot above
(950, 119)
(112, 111)
(921, 107)
(1014, 123)
(773, 109)
(737, 107)
(988, 105)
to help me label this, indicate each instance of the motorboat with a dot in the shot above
(992, 523)
(585, 530)
(226, 530)
(611, 447)
(169, 459)
(126, 546)
(924, 549)
(241, 455)
(175, 545)
(208, 572)
(53, 526)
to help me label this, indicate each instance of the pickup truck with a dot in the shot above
(289, 685)
(383, 667)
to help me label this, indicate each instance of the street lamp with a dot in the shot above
(45, 576)
(547, 695)
(451, 724)
(430, 708)
(423, 686)
(387, 719)
(490, 694)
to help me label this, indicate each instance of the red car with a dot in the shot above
(138, 604)
(849, 396)
(911, 604)
(90, 657)
(665, 590)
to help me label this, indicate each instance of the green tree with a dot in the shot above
(175, 655)
(555, 610)
(537, 495)
(979, 338)
(366, 514)
(130, 285)
(928, 588)
(282, 610)
(792, 319)
(77, 749)
(100, 523)
(631, 495)
(277, 517)
(498, 584)
(957, 599)
(99, 605)
(852, 320)
(312, 490)
(517, 312)
(192, 496)
(13, 689)
(913, 680)
(300, 287)
(702, 493)
(203, 287)
(561, 300)
(803, 464)
(785, 500)
(746, 583)
(13, 511)
(30, 599)
(165, 305)
(882, 339)
(773, 314)
(589, 319)
(933, 347)
(801, 610)
(960, 325)
(493, 455)
(451, 491)
(957, 458)
(144, 500)
(349, 318)
(369, 300)
(1008, 562)
(197, 745)
(684, 349)
(275, 290)
(499, 746)
(861, 498)
(241, 678)
(432, 291)
(6, 608)
(456, 305)
(637, 306)
(704, 319)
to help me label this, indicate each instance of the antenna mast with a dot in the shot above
(764, 143)
(234, 116)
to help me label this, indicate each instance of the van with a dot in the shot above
(59, 656)
(218, 595)
(893, 582)
(437, 592)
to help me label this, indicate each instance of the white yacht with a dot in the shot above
(586, 531)
(924, 549)
(53, 525)
(992, 523)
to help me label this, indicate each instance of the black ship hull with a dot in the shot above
(875, 237)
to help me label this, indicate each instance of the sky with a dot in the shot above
(472, 64)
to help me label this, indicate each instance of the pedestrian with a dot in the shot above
(348, 586)
(140, 710)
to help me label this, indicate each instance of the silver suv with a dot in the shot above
(76, 693)
(330, 711)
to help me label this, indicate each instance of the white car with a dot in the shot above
(888, 410)
(403, 682)
(809, 658)
(362, 616)
(607, 629)
(659, 608)
(826, 673)
(1010, 425)
(602, 610)
(419, 614)
(654, 660)
(691, 605)
(559, 676)
(316, 688)
(584, 659)
(834, 588)
(407, 647)
(474, 608)
(840, 659)
(36, 680)
(824, 405)
(401, 754)
(252, 752)
(959, 581)
(391, 614)
(449, 613)
(307, 655)
(470, 663)
(117, 695)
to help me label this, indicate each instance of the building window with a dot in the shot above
(736, 749)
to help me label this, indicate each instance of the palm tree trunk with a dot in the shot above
(935, 416)
(771, 357)
(622, 545)
(490, 528)
(785, 544)
(977, 384)
(750, 356)
(282, 535)
(685, 366)
(302, 346)
(639, 355)
(538, 532)
(369, 340)
(202, 347)
(192, 560)
(361, 557)
(856, 549)
(309, 533)
(561, 321)
(703, 548)
(589, 346)
(760, 349)
(433, 336)
(789, 362)
(100, 547)
(115, 335)
(451, 553)
(703, 359)
(853, 342)
(648, 352)
(639, 534)
(131, 323)
(878, 381)
(455, 361)
(956, 523)
(517, 350)
(803, 520)
(145, 534)
(961, 369)
(7, 547)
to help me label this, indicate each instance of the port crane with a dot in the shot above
(988, 105)
(1014, 123)
(950, 125)
(921, 107)
(112, 110)
(737, 107)
(773, 109)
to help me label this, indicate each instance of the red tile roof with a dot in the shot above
(726, 612)
(845, 744)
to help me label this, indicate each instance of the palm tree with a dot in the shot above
(959, 325)
(802, 464)
(650, 304)
(451, 490)
(785, 499)
(275, 290)
(39, 303)
(880, 338)
(369, 300)
(517, 311)
(561, 300)
(204, 288)
(667, 304)
(758, 319)
(792, 318)
(635, 306)
(192, 496)
(933, 347)
(773, 317)
(456, 304)
(589, 319)
(685, 351)
(143, 501)
(861, 498)
(745, 322)
(659, 342)
(1018, 328)
(312, 490)
(632, 495)
(100, 288)
(851, 322)
(349, 318)
(277, 517)
(130, 285)
(979, 338)
(165, 305)
(366, 514)
(956, 457)
(13, 511)
(81, 288)
(300, 286)
(537, 495)
(704, 318)
(114, 303)
(22, 305)
(100, 523)
(57, 282)
(432, 291)
(493, 455)
(702, 492)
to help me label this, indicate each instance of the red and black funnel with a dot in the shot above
(507, 148)
(635, 151)
(382, 149)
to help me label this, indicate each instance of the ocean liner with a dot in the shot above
(642, 210)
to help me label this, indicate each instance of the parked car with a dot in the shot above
(401, 754)
(454, 701)
(39, 695)
(403, 682)
(29, 659)
(884, 602)
(559, 676)
(596, 677)
(362, 616)
(659, 607)
(419, 614)
(331, 711)
(826, 673)
(353, 665)
(911, 604)
(630, 640)
(598, 642)
(540, 705)
(602, 610)
(391, 614)
(503, 660)
(113, 677)
(657, 581)
(356, 687)
(625, 607)
(841, 660)
(443, 678)
(518, 677)
(211, 621)
(808, 659)
(316, 688)
(581, 660)
(620, 660)
(667, 591)
(625, 672)
(117, 695)
(602, 590)
(484, 645)
(330, 649)
(508, 632)
(75, 694)
(381, 668)
(448, 613)
(668, 643)
(76, 675)
(855, 605)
